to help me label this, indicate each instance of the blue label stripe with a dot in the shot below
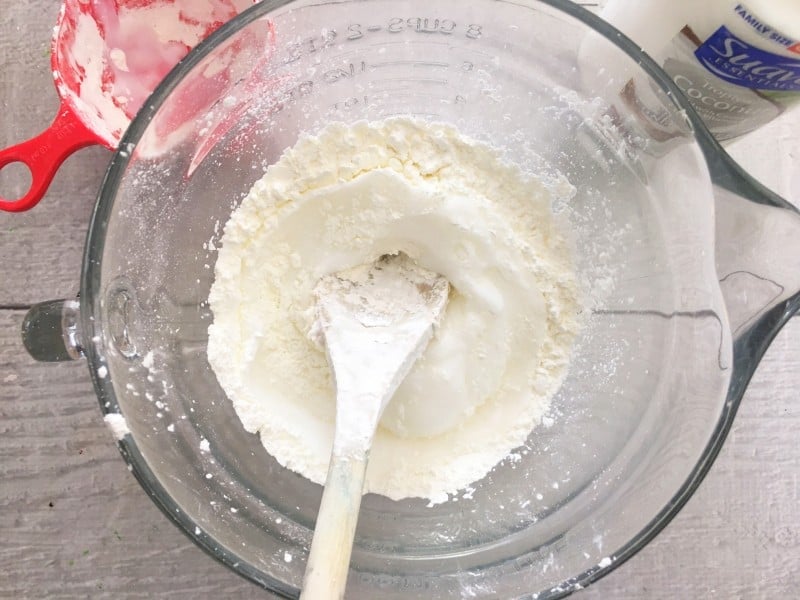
(736, 61)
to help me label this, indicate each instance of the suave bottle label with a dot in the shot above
(734, 60)
(734, 84)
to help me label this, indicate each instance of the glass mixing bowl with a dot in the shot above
(692, 267)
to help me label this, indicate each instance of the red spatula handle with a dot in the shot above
(45, 153)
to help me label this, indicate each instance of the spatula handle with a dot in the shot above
(44, 154)
(329, 560)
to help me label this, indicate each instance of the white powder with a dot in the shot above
(375, 321)
(117, 424)
(346, 197)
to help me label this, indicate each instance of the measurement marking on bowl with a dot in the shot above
(344, 58)
(350, 68)
(405, 43)
(383, 96)
(413, 114)
(415, 80)
(431, 42)
(408, 63)
(365, 48)
(420, 25)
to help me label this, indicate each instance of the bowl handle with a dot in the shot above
(757, 256)
(51, 331)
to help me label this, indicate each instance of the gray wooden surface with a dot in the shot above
(75, 524)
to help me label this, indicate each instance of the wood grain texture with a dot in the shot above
(739, 535)
(41, 249)
(74, 521)
(75, 524)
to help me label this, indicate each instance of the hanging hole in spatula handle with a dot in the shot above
(44, 154)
